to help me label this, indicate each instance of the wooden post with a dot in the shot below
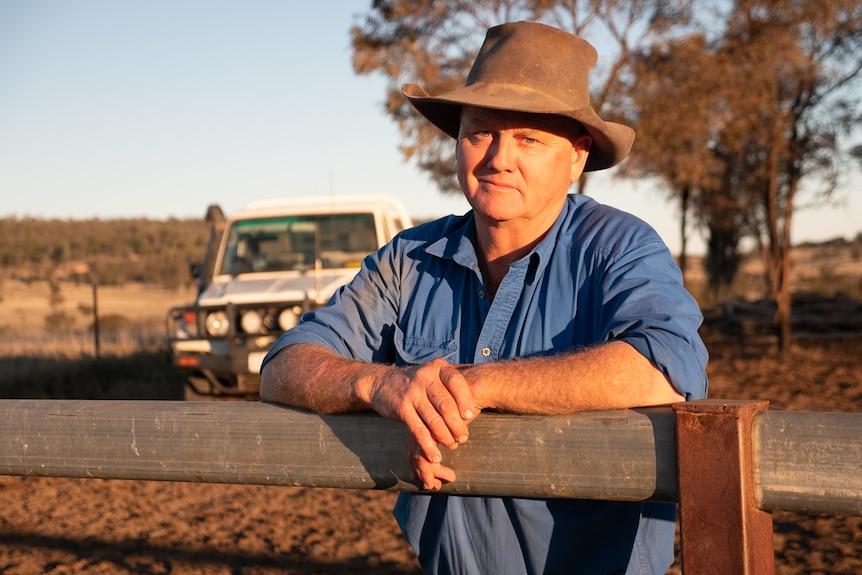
(722, 532)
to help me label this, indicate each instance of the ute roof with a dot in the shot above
(316, 204)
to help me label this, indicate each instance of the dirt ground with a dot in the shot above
(62, 526)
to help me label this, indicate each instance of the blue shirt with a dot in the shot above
(598, 275)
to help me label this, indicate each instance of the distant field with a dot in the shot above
(827, 269)
(25, 306)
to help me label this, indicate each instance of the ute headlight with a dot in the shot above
(216, 323)
(251, 321)
(189, 323)
(289, 318)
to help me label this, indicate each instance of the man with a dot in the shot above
(536, 301)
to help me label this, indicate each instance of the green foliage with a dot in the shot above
(113, 252)
(735, 103)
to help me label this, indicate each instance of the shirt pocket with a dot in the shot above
(416, 351)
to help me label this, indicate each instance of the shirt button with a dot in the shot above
(486, 351)
(481, 294)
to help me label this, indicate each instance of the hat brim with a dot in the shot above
(612, 142)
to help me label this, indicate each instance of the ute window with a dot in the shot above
(299, 243)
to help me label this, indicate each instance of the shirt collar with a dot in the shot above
(545, 248)
(459, 243)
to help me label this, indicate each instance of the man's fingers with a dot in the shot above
(440, 429)
(434, 401)
(422, 439)
(459, 388)
(450, 394)
(434, 475)
(430, 474)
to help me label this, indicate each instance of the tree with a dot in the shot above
(675, 97)
(797, 64)
(756, 110)
(434, 44)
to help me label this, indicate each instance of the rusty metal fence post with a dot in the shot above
(722, 532)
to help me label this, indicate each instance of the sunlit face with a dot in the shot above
(518, 166)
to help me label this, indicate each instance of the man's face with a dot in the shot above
(517, 166)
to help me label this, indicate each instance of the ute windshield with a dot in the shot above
(298, 243)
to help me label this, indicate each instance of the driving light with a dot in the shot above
(251, 321)
(216, 324)
(289, 318)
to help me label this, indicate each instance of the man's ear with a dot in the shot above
(580, 152)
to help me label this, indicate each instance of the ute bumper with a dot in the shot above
(216, 367)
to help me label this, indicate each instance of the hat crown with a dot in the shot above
(533, 55)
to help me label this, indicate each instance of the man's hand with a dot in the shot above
(434, 401)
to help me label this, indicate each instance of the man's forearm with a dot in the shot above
(609, 376)
(314, 378)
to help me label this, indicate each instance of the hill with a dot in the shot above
(113, 252)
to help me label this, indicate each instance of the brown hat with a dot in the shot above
(530, 67)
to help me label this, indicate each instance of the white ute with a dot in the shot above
(264, 267)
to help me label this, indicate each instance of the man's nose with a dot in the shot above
(501, 152)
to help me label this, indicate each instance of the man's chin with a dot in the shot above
(498, 207)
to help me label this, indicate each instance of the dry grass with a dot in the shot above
(74, 345)
(132, 362)
(130, 365)
(25, 306)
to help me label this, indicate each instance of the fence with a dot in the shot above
(729, 464)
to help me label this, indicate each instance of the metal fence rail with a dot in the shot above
(728, 463)
(255, 443)
(809, 461)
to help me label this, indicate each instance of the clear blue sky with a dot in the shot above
(114, 108)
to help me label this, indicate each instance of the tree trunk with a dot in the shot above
(785, 296)
(779, 254)
(784, 301)
(683, 237)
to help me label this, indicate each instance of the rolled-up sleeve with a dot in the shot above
(358, 320)
(647, 306)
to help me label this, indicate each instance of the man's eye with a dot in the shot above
(480, 135)
(528, 140)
